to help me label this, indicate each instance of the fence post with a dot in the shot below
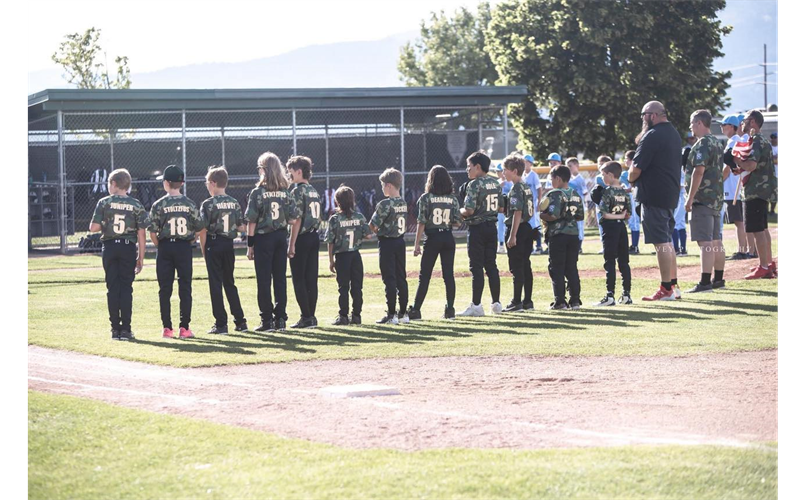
(293, 129)
(480, 130)
(62, 184)
(184, 151)
(223, 148)
(505, 130)
(402, 150)
(112, 148)
(327, 156)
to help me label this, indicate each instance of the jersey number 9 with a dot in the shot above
(401, 224)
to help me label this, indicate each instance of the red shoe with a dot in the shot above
(758, 273)
(661, 294)
(167, 333)
(185, 333)
(773, 268)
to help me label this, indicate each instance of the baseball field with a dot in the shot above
(652, 400)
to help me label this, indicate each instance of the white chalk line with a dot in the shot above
(126, 391)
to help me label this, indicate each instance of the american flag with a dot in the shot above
(742, 149)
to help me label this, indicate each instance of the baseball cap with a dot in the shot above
(773, 136)
(731, 120)
(529, 158)
(690, 134)
(172, 173)
(499, 167)
(554, 157)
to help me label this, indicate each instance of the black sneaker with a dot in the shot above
(449, 313)
(581, 250)
(218, 330)
(355, 319)
(388, 319)
(414, 314)
(512, 307)
(126, 335)
(341, 321)
(242, 326)
(608, 300)
(115, 334)
(625, 299)
(265, 326)
(314, 321)
(279, 324)
(719, 284)
(634, 250)
(557, 306)
(528, 306)
(304, 323)
(737, 256)
(701, 288)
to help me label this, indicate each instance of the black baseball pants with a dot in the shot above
(482, 249)
(563, 258)
(349, 276)
(175, 257)
(439, 244)
(119, 260)
(392, 270)
(219, 255)
(616, 249)
(520, 262)
(271, 263)
(305, 273)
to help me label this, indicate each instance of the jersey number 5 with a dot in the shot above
(119, 224)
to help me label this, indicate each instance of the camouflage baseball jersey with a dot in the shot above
(389, 217)
(567, 206)
(707, 152)
(221, 215)
(483, 196)
(762, 182)
(438, 211)
(120, 217)
(270, 210)
(308, 206)
(614, 200)
(346, 233)
(520, 199)
(175, 217)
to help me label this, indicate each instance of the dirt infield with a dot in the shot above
(468, 402)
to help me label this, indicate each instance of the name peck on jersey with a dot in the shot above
(308, 205)
(221, 215)
(484, 198)
(438, 211)
(614, 200)
(390, 217)
(346, 233)
(270, 210)
(120, 217)
(175, 217)
(520, 199)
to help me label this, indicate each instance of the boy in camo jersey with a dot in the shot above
(704, 185)
(304, 257)
(614, 209)
(561, 209)
(174, 222)
(122, 221)
(346, 229)
(519, 235)
(482, 202)
(221, 220)
(389, 221)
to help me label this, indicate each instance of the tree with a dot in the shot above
(449, 51)
(590, 66)
(79, 56)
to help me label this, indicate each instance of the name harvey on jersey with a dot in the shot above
(226, 205)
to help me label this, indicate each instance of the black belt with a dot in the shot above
(173, 240)
(390, 237)
(436, 231)
(119, 241)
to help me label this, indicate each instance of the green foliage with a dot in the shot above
(80, 55)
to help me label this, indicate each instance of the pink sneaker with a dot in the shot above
(167, 333)
(760, 273)
(185, 333)
(661, 294)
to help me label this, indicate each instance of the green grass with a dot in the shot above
(67, 310)
(79, 448)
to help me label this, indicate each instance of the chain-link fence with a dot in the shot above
(350, 146)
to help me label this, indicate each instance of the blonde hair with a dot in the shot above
(218, 175)
(272, 175)
(122, 178)
(392, 176)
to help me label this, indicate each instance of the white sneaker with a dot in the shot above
(473, 310)
(677, 292)
(497, 308)
(609, 300)
(404, 319)
(501, 249)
